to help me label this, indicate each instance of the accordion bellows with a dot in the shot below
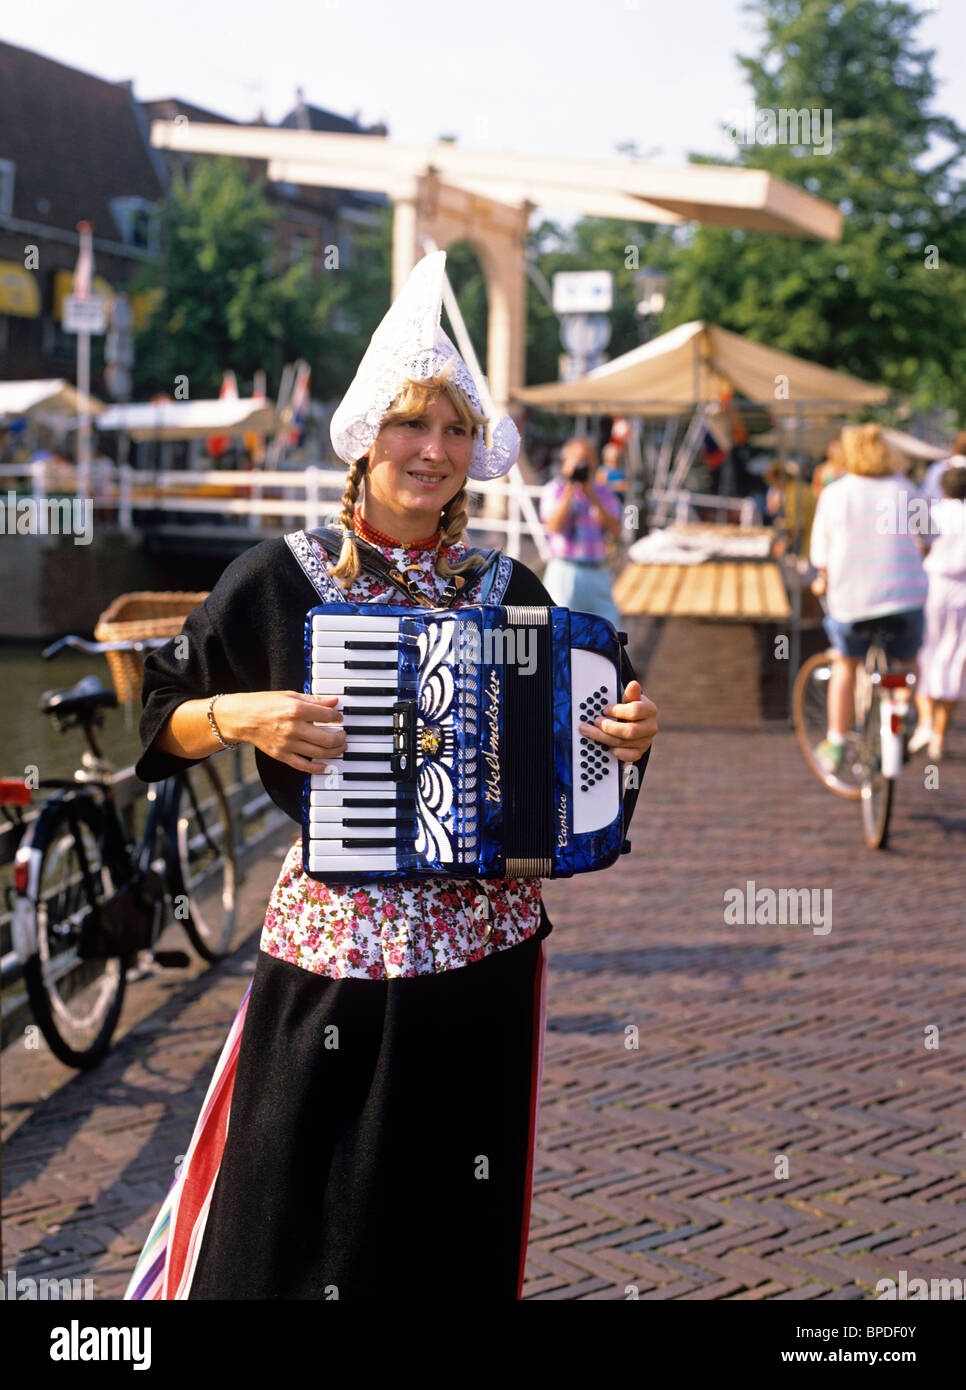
(463, 754)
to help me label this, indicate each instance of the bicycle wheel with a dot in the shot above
(202, 867)
(810, 716)
(876, 787)
(76, 1002)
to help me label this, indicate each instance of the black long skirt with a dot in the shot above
(381, 1134)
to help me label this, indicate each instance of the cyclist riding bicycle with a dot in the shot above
(870, 569)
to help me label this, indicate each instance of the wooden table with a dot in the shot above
(739, 590)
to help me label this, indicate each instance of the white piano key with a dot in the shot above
(326, 793)
(339, 641)
(340, 770)
(342, 622)
(330, 680)
(349, 862)
(366, 702)
(380, 744)
(338, 811)
(327, 831)
(331, 656)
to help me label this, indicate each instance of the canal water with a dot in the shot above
(29, 739)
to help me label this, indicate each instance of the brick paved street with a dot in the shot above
(657, 1164)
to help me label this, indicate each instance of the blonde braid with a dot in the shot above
(347, 568)
(453, 523)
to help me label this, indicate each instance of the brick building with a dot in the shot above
(76, 147)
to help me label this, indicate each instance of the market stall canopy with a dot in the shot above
(912, 447)
(815, 437)
(190, 419)
(43, 398)
(694, 364)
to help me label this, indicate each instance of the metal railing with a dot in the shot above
(309, 496)
(685, 503)
(305, 498)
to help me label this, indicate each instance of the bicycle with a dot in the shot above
(874, 747)
(89, 893)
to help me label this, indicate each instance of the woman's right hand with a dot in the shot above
(296, 729)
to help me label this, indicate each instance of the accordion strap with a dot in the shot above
(371, 559)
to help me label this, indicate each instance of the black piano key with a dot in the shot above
(367, 776)
(372, 646)
(366, 844)
(371, 690)
(365, 801)
(366, 709)
(400, 822)
(370, 665)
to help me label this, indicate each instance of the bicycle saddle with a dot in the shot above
(83, 698)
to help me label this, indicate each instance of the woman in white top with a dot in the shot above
(870, 567)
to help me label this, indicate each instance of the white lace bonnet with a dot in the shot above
(409, 344)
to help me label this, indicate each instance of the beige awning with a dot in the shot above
(190, 419)
(814, 438)
(19, 291)
(694, 364)
(54, 397)
(64, 286)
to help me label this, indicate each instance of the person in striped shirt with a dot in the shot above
(870, 569)
(580, 514)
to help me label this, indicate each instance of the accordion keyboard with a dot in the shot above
(464, 754)
(357, 813)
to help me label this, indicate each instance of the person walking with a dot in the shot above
(580, 514)
(830, 469)
(942, 661)
(932, 482)
(369, 1130)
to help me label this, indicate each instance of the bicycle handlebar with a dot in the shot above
(93, 648)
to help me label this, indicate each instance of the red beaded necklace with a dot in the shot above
(374, 537)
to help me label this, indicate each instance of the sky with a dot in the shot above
(525, 76)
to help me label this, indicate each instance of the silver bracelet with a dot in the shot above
(214, 727)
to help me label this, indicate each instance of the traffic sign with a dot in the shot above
(583, 292)
(84, 315)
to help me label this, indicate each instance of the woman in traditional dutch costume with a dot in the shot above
(369, 1129)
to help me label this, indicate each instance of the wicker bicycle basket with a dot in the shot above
(132, 617)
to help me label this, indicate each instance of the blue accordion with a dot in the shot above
(464, 757)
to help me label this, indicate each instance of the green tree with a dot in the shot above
(223, 299)
(888, 302)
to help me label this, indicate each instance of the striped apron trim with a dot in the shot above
(167, 1262)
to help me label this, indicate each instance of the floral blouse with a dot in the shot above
(401, 927)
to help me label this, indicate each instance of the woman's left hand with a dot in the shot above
(628, 728)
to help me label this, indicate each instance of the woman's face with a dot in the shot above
(416, 466)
